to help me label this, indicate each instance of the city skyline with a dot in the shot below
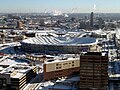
(65, 6)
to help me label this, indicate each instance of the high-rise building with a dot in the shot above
(101, 23)
(93, 71)
(19, 25)
(91, 19)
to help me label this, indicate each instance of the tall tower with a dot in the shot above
(93, 71)
(19, 25)
(91, 19)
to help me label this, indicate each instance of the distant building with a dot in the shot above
(41, 58)
(14, 77)
(101, 23)
(83, 25)
(19, 25)
(93, 71)
(61, 68)
(91, 19)
(18, 38)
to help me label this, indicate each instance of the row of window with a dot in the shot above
(59, 66)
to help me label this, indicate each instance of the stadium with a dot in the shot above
(56, 45)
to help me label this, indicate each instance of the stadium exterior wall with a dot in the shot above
(56, 49)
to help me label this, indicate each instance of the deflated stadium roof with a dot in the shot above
(50, 40)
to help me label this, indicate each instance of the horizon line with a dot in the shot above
(62, 13)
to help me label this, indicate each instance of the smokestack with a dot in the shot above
(94, 7)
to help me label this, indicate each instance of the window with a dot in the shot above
(3, 82)
(59, 67)
(56, 67)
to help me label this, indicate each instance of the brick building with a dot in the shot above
(93, 71)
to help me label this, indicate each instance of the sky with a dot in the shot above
(66, 6)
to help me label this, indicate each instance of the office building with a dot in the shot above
(14, 77)
(54, 69)
(91, 19)
(93, 71)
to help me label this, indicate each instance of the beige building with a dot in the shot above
(14, 77)
(60, 68)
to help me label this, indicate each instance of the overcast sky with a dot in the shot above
(66, 6)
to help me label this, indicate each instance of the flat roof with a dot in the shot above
(15, 67)
(61, 60)
(93, 53)
(16, 71)
(9, 61)
(60, 84)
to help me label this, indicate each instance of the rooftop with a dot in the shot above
(62, 84)
(50, 40)
(63, 57)
(95, 53)
(16, 71)
(13, 66)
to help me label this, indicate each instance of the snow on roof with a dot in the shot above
(1, 68)
(118, 33)
(39, 55)
(39, 31)
(60, 84)
(61, 60)
(77, 78)
(114, 75)
(10, 62)
(16, 71)
(12, 43)
(15, 67)
(69, 80)
(100, 31)
(50, 40)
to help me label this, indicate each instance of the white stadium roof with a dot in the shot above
(50, 40)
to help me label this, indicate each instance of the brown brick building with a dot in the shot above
(61, 68)
(93, 71)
